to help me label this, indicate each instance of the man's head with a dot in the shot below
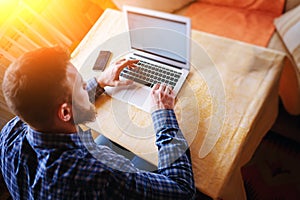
(42, 88)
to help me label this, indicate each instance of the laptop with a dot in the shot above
(161, 43)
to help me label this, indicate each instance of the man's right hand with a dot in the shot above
(110, 76)
(163, 97)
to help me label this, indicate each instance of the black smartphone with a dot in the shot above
(102, 60)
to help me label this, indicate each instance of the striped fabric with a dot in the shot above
(288, 27)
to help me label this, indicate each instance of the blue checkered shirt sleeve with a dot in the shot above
(94, 89)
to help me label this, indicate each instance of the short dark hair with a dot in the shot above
(34, 85)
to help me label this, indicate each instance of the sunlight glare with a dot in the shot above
(6, 8)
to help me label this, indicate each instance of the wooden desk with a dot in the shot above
(226, 106)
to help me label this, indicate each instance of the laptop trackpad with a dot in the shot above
(136, 95)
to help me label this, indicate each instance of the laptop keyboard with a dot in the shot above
(149, 74)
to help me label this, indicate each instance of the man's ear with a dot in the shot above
(65, 112)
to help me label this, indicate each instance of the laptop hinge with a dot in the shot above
(136, 54)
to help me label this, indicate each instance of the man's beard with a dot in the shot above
(82, 115)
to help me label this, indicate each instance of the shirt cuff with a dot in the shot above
(94, 90)
(164, 118)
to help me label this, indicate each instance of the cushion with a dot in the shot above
(251, 26)
(165, 5)
(274, 7)
(288, 27)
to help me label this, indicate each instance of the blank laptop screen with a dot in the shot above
(159, 36)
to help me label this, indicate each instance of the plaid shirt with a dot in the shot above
(39, 165)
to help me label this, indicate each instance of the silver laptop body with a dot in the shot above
(161, 41)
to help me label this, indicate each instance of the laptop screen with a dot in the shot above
(163, 37)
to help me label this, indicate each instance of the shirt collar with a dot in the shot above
(59, 140)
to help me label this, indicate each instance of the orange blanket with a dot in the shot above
(249, 21)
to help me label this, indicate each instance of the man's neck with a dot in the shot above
(62, 128)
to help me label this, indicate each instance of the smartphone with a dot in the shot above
(102, 60)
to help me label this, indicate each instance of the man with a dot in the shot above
(44, 155)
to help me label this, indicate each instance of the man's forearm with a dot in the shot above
(173, 160)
